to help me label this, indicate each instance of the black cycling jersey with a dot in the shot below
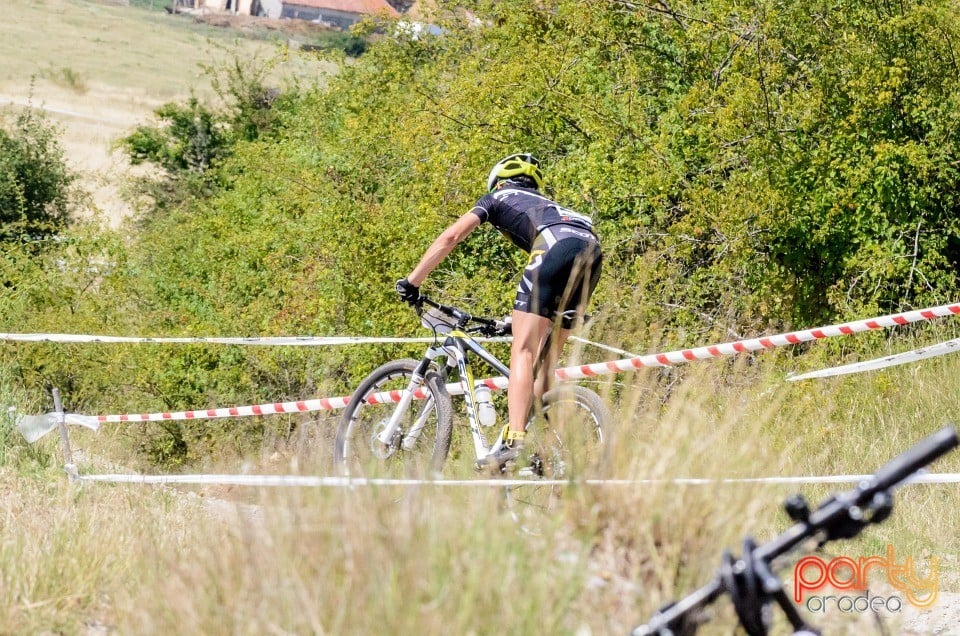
(521, 213)
(565, 258)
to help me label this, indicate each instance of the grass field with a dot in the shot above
(101, 558)
(100, 69)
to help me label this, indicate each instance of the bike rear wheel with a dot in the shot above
(569, 432)
(422, 440)
(565, 441)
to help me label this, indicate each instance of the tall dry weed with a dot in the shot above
(431, 559)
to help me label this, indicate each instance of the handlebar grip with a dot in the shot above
(913, 459)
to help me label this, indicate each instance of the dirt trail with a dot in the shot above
(943, 619)
(90, 125)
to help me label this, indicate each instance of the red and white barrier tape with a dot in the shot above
(756, 344)
(272, 408)
(571, 373)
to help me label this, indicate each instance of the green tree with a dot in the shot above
(191, 139)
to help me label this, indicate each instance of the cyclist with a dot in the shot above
(558, 280)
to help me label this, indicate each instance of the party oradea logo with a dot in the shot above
(814, 577)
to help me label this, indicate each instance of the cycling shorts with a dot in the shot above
(562, 273)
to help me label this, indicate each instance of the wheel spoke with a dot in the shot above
(413, 449)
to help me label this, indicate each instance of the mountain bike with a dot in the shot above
(399, 420)
(749, 579)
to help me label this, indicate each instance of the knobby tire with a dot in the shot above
(357, 452)
(568, 436)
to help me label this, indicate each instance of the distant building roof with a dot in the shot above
(365, 7)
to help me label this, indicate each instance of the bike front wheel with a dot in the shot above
(420, 444)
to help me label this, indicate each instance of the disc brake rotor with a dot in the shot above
(378, 448)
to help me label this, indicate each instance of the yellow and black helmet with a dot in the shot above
(521, 164)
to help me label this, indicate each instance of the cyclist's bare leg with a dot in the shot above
(544, 378)
(530, 331)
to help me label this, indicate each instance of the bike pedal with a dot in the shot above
(528, 471)
(535, 465)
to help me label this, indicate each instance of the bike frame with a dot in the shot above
(749, 579)
(455, 349)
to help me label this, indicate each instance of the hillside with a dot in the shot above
(98, 70)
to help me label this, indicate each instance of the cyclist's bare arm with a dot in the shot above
(443, 245)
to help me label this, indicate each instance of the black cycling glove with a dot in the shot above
(409, 293)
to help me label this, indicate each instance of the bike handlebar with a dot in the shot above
(750, 582)
(913, 459)
(487, 326)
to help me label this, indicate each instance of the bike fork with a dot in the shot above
(410, 439)
(386, 435)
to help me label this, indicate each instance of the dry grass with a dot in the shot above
(431, 560)
(146, 57)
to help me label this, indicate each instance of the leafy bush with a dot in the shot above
(749, 168)
(192, 138)
(190, 141)
(34, 179)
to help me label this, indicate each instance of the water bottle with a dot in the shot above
(486, 413)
